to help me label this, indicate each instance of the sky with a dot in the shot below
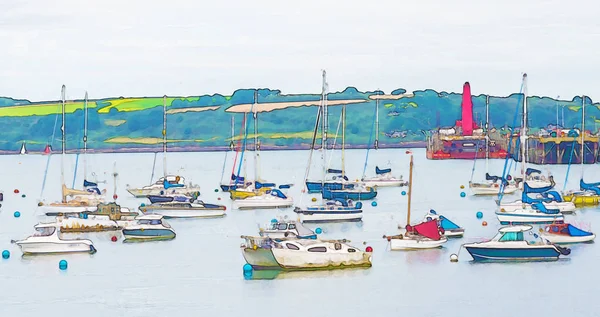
(113, 48)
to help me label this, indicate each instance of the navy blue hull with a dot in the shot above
(513, 254)
(317, 187)
(349, 195)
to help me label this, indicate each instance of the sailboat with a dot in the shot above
(521, 212)
(426, 235)
(589, 193)
(492, 184)
(23, 150)
(383, 177)
(332, 179)
(81, 200)
(167, 184)
(235, 181)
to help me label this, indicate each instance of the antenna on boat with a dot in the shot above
(164, 133)
(85, 126)
(410, 179)
(62, 129)
(324, 92)
(582, 155)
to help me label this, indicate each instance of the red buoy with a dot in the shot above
(16, 191)
(113, 239)
(369, 249)
(389, 238)
(219, 198)
(115, 196)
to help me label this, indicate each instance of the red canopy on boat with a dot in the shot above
(429, 229)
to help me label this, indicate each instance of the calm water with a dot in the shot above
(200, 272)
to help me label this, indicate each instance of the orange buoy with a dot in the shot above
(484, 223)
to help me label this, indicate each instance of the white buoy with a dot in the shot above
(453, 258)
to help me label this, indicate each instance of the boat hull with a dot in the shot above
(543, 253)
(566, 239)
(384, 183)
(582, 200)
(143, 192)
(528, 218)
(292, 260)
(317, 186)
(56, 247)
(184, 213)
(260, 258)
(564, 207)
(316, 216)
(64, 210)
(345, 195)
(263, 204)
(148, 234)
(454, 233)
(489, 190)
(397, 244)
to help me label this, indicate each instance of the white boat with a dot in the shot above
(490, 188)
(530, 215)
(149, 228)
(332, 211)
(425, 235)
(273, 198)
(283, 229)
(565, 233)
(303, 254)
(47, 241)
(383, 178)
(107, 217)
(167, 185)
(563, 206)
(23, 149)
(176, 209)
(510, 245)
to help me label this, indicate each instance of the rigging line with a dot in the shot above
(474, 161)
(234, 181)
(364, 174)
(153, 167)
(504, 171)
(337, 131)
(49, 154)
(569, 167)
(245, 141)
(310, 155)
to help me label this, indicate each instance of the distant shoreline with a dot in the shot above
(250, 147)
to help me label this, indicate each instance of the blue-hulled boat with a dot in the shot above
(149, 228)
(335, 180)
(331, 211)
(353, 194)
(172, 198)
(510, 245)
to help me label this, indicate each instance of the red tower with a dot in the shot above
(466, 122)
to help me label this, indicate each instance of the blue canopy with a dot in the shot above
(540, 207)
(168, 185)
(447, 224)
(382, 171)
(576, 232)
(530, 171)
(530, 190)
(278, 193)
(89, 184)
(555, 196)
(237, 178)
(589, 186)
(285, 186)
(334, 171)
(260, 185)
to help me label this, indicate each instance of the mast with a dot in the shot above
(325, 123)
(487, 132)
(85, 125)
(164, 133)
(256, 178)
(377, 121)
(231, 144)
(410, 179)
(62, 128)
(582, 133)
(343, 139)
(524, 130)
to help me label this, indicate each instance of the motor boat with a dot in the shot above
(272, 198)
(286, 229)
(331, 211)
(46, 240)
(565, 233)
(149, 228)
(164, 186)
(175, 209)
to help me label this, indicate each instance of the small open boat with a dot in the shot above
(272, 198)
(47, 241)
(492, 186)
(564, 233)
(451, 230)
(332, 211)
(283, 228)
(510, 245)
(303, 254)
(175, 209)
(149, 228)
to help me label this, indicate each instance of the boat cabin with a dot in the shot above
(290, 227)
(512, 233)
(112, 210)
(44, 230)
(153, 220)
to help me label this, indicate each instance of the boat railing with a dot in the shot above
(253, 242)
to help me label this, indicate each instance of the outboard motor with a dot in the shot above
(563, 251)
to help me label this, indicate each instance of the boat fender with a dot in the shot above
(142, 229)
(286, 234)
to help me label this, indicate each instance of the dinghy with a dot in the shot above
(564, 233)
(286, 229)
(148, 228)
(331, 211)
(176, 209)
(426, 235)
(47, 241)
(272, 198)
(510, 245)
(303, 254)
(451, 230)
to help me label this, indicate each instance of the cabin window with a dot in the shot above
(282, 226)
(44, 231)
(155, 222)
(112, 210)
(337, 246)
(144, 222)
(292, 246)
(351, 250)
(512, 236)
(291, 226)
(317, 249)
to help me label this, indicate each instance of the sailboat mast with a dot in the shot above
(582, 133)
(325, 123)
(343, 139)
(410, 181)
(487, 132)
(62, 128)
(377, 121)
(85, 126)
(256, 178)
(524, 130)
(231, 144)
(164, 133)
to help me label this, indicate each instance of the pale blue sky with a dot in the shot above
(187, 47)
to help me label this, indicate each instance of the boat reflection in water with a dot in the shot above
(281, 274)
